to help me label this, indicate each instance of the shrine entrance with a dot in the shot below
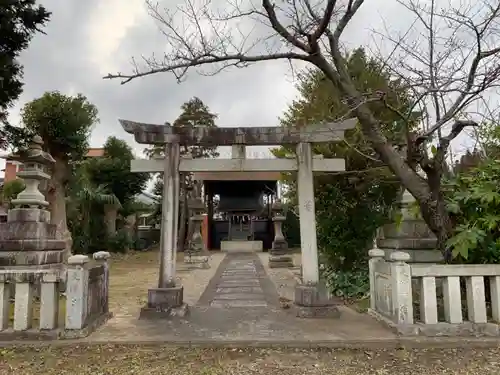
(311, 298)
(241, 219)
(241, 213)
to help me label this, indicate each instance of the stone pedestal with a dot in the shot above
(194, 256)
(197, 261)
(279, 256)
(410, 235)
(28, 240)
(165, 303)
(313, 301)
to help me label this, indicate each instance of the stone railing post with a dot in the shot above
(376, 255)
(101, 257)
(402, 299)
(76, 291)
(49, 301)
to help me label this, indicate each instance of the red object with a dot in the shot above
(204, 230)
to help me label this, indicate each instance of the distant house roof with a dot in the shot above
(146, 198)
(95, 152)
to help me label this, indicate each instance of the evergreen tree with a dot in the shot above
(194, 113)
(349, 206)
(20, 20)
(64, 123)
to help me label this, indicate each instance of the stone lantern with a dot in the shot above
(196, 253)
(28, 240)
(410, 234)
(279, 256)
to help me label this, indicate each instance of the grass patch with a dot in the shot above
(361, 305)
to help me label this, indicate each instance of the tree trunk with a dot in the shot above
(427, 193)
(130, 224)
(57, 204)
(110, 213)
(436, 215)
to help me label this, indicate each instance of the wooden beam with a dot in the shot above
(215, 136)
(237, 165)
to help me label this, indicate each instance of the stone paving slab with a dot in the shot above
(250, 284)
(237, 277)
(239, 289)
(257, 324)
(240, 282)
(240, 296)
(237, 303)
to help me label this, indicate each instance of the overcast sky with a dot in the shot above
(85, 40)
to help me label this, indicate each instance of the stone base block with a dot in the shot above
(25, 215)
(32, 245)
(317, 311)
(197, 261)
(418, 256)
(415, 228)
(91, 327)
(280, 245)
(280, 261)
(313, 301)
(441, 329)
(151, 313)
(276, 252)
(165, 303)
(407, 243)
(29, 230)
(32, 259)
(164, 298)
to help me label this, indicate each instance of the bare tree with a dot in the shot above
(450, 64)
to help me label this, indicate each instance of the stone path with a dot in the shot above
(240, 282)
(240, 304)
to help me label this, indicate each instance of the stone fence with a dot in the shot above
(434, 299)
(54, 315)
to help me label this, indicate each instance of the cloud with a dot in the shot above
(109, 26)
(86, 39)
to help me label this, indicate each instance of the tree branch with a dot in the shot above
(280, 29)
(231, 60)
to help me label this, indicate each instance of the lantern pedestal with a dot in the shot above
(279, 255)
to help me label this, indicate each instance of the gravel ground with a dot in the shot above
(142, 360)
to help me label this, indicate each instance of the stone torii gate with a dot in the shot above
(168, 297)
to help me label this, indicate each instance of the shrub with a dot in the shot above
(121, 242)
(349, 284)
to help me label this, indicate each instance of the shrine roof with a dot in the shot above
(237, 176)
